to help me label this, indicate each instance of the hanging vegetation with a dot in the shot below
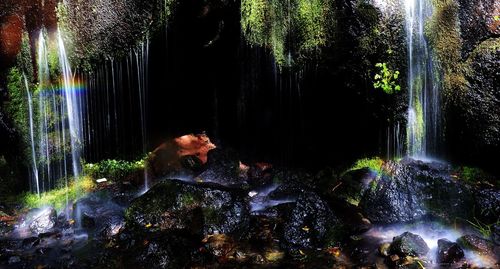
(291, 29)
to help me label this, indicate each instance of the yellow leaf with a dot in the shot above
(149, 225)
(301, 252)
(305, 228)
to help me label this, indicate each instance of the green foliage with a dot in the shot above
(113, 169)
(17, 106)
(188, 199)
(471, 174)
(474, 175)
(279, 24)
(311, 18)
(386, 79)
(484, 229)
(57, 197)
(374, 164)
(253, 20)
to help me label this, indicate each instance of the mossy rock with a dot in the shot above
(199, 209)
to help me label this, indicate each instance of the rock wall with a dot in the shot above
(465, 36)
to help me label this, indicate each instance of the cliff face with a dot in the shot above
(473, 118)
(209, 44)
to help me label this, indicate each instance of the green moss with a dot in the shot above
(420, 123)
(374, 164)
(336, 234)
(443, 33)
(373, 185)
(253, 20)
(57, 197)
(311, 19)
(474, 175)
(188, 199)
(292, 29)
(210, 215)
(113, 169)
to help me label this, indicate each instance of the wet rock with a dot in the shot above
(191, 162)
(223, 167)
(112, 227)
(194, 208)
(384, 249)
(41, 221)
(88, 221)
(222, 247)
(449, 252)
(480, 103)
(477, 22)
(409, 244)
(488, 200)
(416, 189)
(310, 224)
(353, 184)
(156, 255)
(14, 259)
(475, 243)
(100, 213)
(30, 242)
(496, 234)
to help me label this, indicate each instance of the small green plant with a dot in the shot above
(374, 164)
(484, 229)
(472, 174)
(113, 169)
(386, 79)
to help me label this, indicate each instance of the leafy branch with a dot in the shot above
(386, 79)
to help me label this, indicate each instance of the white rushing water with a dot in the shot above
(424, 101)
(431, 232)
(32, 137)
(57, 143)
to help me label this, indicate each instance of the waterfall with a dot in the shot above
(58, 117)
(72, 101)
(32, 136)
(424, 108)
(115, 107)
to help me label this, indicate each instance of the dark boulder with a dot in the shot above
(41, 220)
(99, 212)
(449, 252)
(415, 189)
(310, 224)
(198, 209)
(488, 200)
(391, 200)
(496, 234)
(353, 184)
(409, 244)
(87, 221)
(475, 243)
(223, 167)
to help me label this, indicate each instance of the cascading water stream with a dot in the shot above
(424, 107)
(32, 136)
(115, 107)
(59, 121)
(73, 109)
